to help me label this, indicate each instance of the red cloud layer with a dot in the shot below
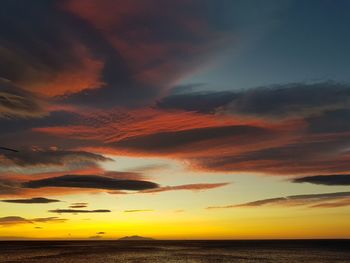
(142, 32)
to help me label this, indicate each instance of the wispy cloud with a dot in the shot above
(18, 103)
(188, 187)
(34, 200)
(78, 205)
(78, 211)
(311, 200)
(17, 220)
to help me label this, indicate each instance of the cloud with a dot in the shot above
(311, 200)
(8, 149)
(118, 124)
(100, 233)
(203, 102)
(188, 187)
(109, 88)
(29, 50)
(292, 140)
(340, 203)
(9, 187)
(278, 101)
(305, 155)
(162, 46)
(138, 210)
(78, 205)
(47, 157)
(13, 220)
(330, 121)
(36, 200)
(90, 181)
(17, 220)
(48, 220)
(78, 211)
(292, 100)
(334, 179)
(18, 103)
(191, 139)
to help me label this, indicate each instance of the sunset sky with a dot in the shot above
(186, 119)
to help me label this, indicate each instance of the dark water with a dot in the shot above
(175, 251)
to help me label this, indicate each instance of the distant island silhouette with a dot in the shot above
(133, 238)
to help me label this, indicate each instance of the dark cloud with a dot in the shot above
(55, 118)
(100, 233)
(312, 200)
(18, 103)
(334, 179)
(17, 220)
(29, 49)
(62, 48)
(291, 100)
(162, 47)
(78, 211)
(36, 200)
(40, 157)
(90, 181)
(9, 188)
(306, 155)
(78, 205)
(8, 149)
(188, 187)
(279, 101)
(330, 121)
(172, 141)
(204, 102)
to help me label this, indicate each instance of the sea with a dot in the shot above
(191, 251)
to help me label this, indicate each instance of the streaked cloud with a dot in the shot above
(311, 200)
(188, 187)
(54, 157)
(277, 101)
(18, 103)
(90, 181)
(34, 200)
(79, 211)
(78, 205)
(17, 220)
(332, 179)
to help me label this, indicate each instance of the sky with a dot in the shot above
(188, 119)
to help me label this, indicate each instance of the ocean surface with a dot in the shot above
(175, 251)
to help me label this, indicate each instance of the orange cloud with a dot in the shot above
(143, 32)
(115, 125)
(188, 187)
(84, 74)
